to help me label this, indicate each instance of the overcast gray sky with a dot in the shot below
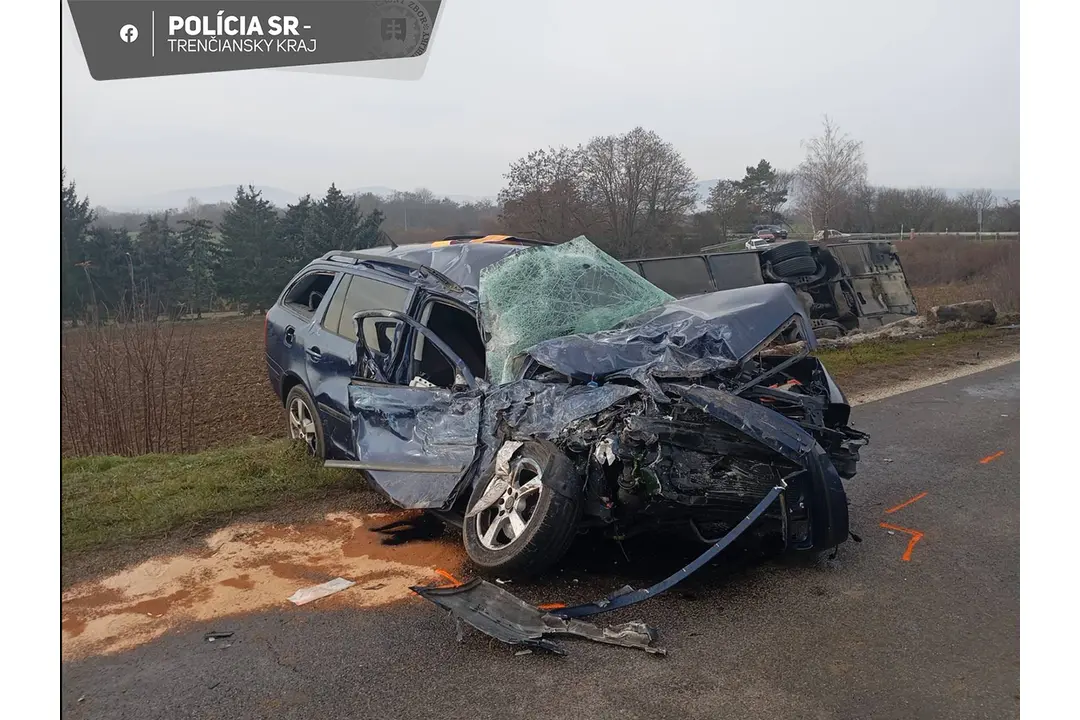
(932, 88)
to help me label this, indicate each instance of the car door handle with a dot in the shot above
(314, 353)
(290, 335)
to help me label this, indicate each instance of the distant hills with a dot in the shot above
(281, 198)
(175, 199)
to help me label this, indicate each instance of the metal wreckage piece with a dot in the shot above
(505, 617)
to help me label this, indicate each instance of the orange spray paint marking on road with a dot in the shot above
(550, 606)
(991, 458)
(916, 536)
(904, 504)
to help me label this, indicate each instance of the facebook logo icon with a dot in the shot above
(129, 33)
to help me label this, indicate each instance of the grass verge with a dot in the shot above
(115, 500)
(845, 362)
(108, 502)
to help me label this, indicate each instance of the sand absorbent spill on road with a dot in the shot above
(249, 567)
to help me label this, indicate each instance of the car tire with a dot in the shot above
(788, 250)
(795, 267)
(550, 522)
(302, 421)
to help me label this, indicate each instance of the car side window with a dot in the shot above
(367, 294)
(307, 293)
(337, 302)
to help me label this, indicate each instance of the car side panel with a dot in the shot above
(329, 362)
(282, 357)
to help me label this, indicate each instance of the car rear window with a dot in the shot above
(306, 294)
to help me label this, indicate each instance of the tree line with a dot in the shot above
(191, 264)
(633, 194)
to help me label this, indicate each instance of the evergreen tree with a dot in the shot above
(162, 266)
(107, 252)
(251, 270)
(299, 235)
(763, 191)
(368, 234)
(75, 220)
(337, 222)
(202, 253)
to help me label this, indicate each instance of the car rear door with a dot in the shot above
(290, 321)
(331, 350)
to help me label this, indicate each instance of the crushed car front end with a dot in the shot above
(609, 404)
(676, 416)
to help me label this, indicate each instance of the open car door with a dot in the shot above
(415, 443)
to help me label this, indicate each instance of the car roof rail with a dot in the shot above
(355, 257)
(462, 239)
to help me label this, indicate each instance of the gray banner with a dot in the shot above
(148, 38)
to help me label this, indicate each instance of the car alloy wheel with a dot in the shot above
(505, 521)
(302, 425)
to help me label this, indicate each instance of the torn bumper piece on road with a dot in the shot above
(499, 614)
(507, 618)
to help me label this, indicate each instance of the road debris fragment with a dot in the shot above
(218, 635)
(309, 594)
(499, 614)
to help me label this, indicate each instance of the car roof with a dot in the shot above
(459, 258)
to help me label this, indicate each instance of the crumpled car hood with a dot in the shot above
(685, 338)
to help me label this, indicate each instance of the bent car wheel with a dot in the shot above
(530, 526)
(303, 421)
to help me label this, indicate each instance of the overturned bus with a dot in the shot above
(844, 286)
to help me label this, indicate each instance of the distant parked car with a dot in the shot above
(829, 234)
(758, 243)
(775, 230)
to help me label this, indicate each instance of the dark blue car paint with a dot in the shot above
(324, 363)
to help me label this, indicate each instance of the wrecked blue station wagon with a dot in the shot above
(526, 392)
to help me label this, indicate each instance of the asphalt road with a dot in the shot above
(867, 635)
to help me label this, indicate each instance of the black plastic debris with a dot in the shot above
(499, 614)
(217, 635)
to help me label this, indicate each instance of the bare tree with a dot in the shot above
(830, 173)
(977, 203)
(723, 203)
(924, 204)
(544, 197)
(639, 185)
(193, 209)
(780, 189)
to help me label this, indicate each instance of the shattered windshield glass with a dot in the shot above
(553, 291)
